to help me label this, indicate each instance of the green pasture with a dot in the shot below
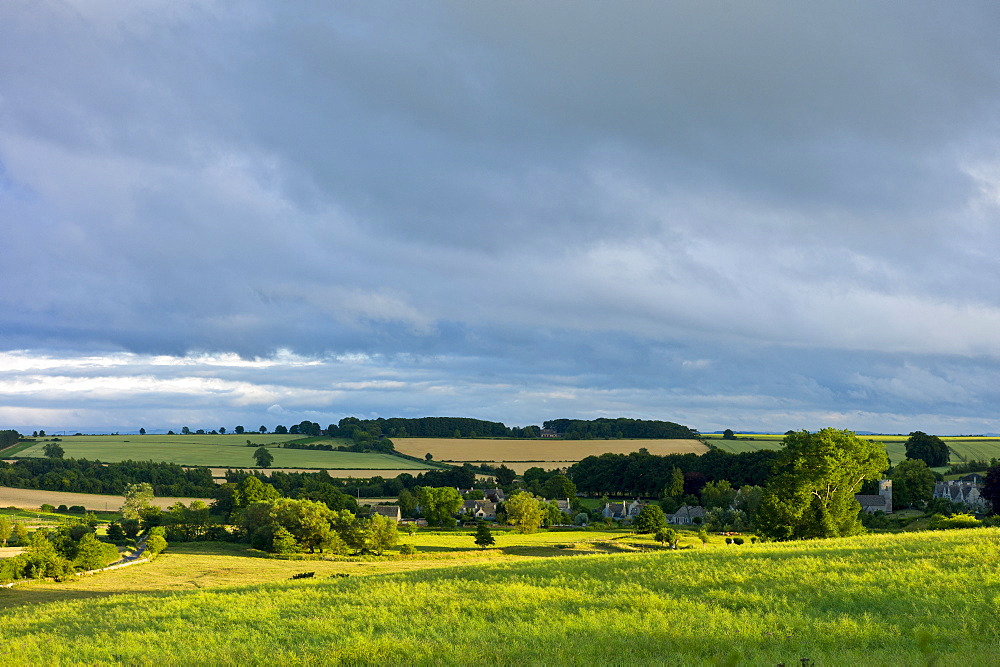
(881, 599)
(745, 442)
(215, 451)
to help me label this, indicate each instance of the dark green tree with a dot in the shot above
(559, 486)
(812, 494)
(504, 475)
(991, 489)
(728, 434)
(484, 536)
(912, 483)
(263, 457)
(928, 448)
(142, 431)
(54, 451)
(239, 430)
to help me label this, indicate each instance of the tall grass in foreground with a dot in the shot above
(884, 599)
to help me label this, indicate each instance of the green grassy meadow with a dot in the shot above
(881, 599)
(216, 451)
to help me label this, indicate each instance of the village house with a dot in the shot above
(623, 511)
(967, 493)
(480, 509)
(392, 511)
(617, 511)
(686, 515)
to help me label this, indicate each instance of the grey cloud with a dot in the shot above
(572, 198)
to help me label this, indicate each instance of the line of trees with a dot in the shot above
(580, 429)
(644, 474)
(84, 476)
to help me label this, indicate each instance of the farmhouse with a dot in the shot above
(686, 515)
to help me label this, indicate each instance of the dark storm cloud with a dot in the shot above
(787, 212)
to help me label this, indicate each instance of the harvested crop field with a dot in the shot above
(35, 498)
(563, 451)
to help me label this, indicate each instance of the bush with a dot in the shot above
(77, 509)
(737, 541)
(48, 508)
(407, 549)
(939, 522)
(155, 544)
(62, 508)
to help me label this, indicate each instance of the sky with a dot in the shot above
(759, 216)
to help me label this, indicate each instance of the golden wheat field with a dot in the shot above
(565, 452)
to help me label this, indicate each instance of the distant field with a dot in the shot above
(750, 442)
(216, 451)
(563, 451)
(35, 498)
(520, 466)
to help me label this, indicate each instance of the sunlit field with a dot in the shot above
(216, 451)
(543, 450)
(883, 599)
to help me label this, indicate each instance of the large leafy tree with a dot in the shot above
(928, 448)
(54, 451)
(137, 498)
(650, 519)
(438, 503)
(813, 493)
(912, 483)
(523, 512)
(263, 457)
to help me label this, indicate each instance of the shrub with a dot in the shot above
(939, 522)
(77, 509)
(48, 508)
(407, 549)
(303, 575)
(62, 508)
(737, 541)
(155, 544)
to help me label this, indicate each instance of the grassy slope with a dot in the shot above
(215, 450)
(886, 599)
